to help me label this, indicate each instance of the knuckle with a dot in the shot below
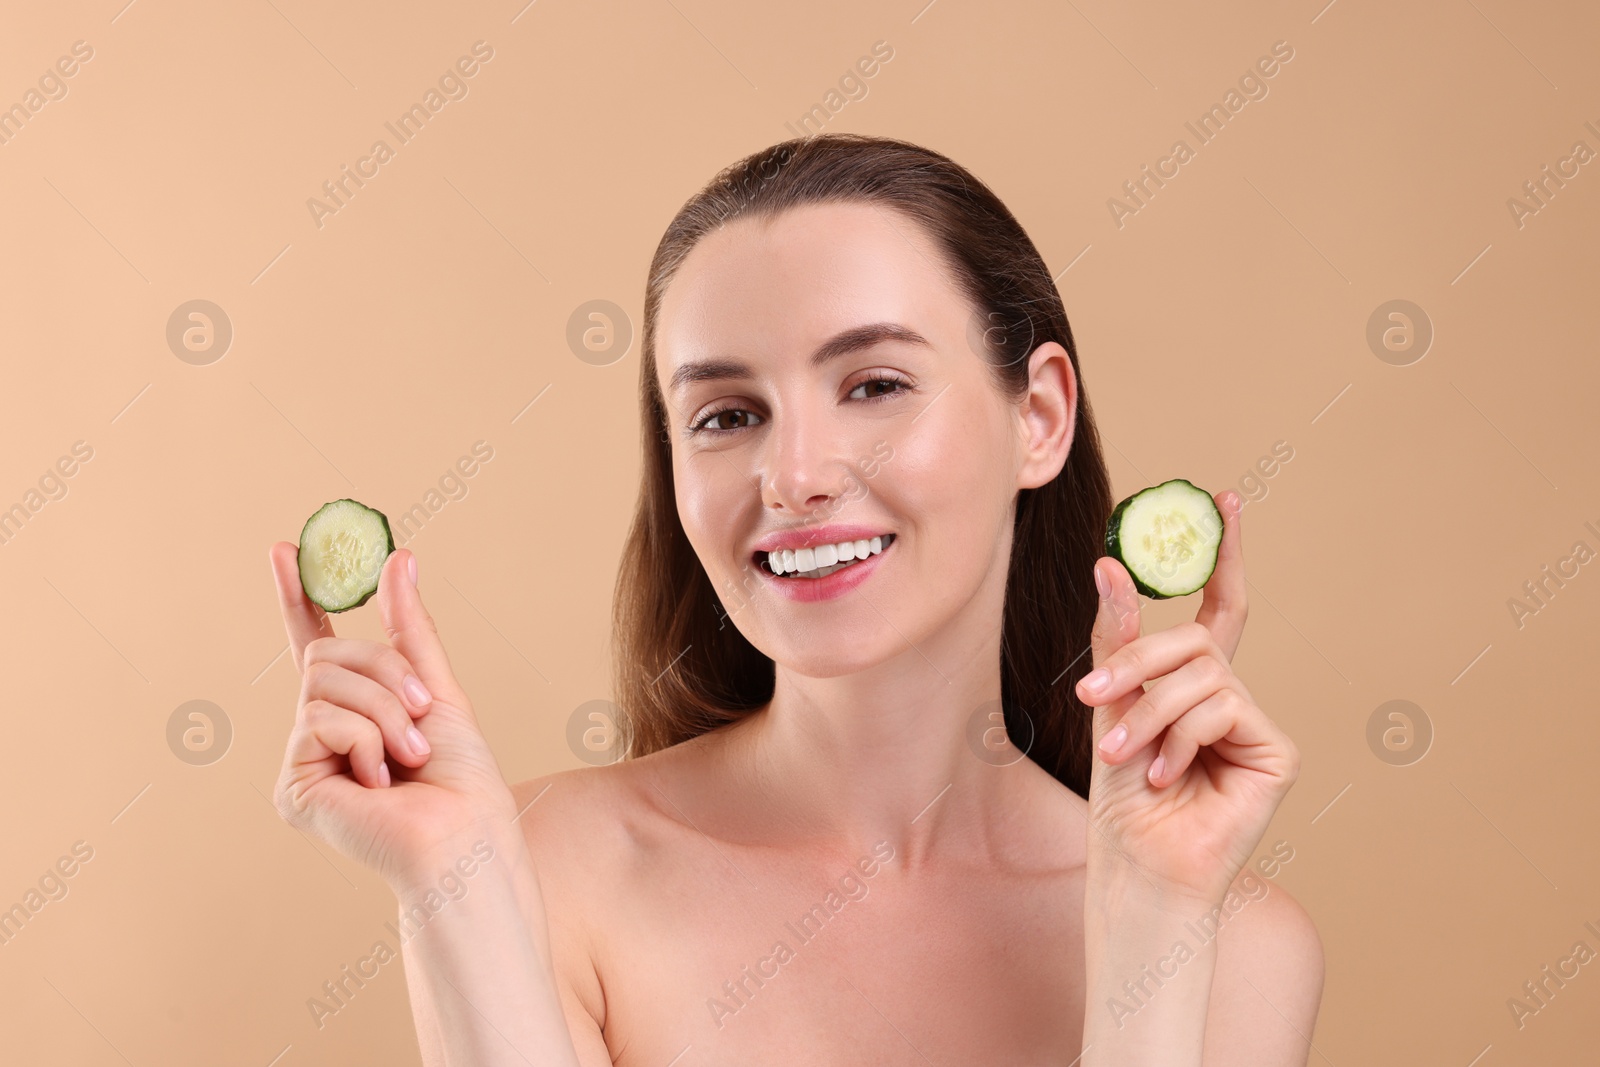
(395, 712)
(320, 673)
(1139, 714)
(1212, 670)
(318, 649)
(315, 714)
(1178, 739)
(283, 806)
(290, 807)
(423, 624)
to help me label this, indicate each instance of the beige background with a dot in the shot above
(368, 354)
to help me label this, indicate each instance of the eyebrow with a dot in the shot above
(854, 339)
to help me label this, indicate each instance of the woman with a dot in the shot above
(823, 847)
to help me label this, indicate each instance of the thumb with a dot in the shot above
(1115, 624)
(411, 629)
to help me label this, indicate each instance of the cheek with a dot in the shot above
(952, 477)
(707, 500)
(693, 506)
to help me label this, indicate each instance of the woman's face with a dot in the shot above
(897, 433)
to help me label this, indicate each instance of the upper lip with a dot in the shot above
(811, 536)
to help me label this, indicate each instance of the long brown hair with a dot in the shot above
(681, 667)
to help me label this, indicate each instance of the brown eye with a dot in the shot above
(714, 422)
(899, 386)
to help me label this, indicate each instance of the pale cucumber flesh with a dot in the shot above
(1167, 536)
(342, 549)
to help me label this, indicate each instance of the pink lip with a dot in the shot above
(809, 536)
(810, 590)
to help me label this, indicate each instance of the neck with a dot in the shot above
(887, 754)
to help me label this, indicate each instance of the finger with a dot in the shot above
(412, 631)
(379, 662)
(1207, 722)
(1169, 701)
(345, 688)
(304, 621)
(1145, 659)
(1226, 602)
(1244, 736)
(327, 730)
(1116, 623)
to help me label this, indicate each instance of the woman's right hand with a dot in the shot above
(407, 814)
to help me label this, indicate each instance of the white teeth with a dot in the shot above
(819, 561)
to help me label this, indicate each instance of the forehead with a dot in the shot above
(765, 287)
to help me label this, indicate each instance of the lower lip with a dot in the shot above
(808, 590)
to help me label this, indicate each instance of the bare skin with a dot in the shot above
(982, 913)
(973, 958)
(697, 889)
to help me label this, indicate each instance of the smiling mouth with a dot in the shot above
(821, 560)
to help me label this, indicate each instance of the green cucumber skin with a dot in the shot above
(388, 536)
(1114, 540)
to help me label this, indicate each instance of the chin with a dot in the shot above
(814, 649)
(821, 661)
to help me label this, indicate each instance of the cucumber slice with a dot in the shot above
(1167, 536)
(342, 549)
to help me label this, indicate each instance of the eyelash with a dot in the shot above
(702, 427)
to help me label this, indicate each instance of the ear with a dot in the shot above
(1048, 415)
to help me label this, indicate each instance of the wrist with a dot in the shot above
(1123, 921)
(1114, 882)
(490, 849)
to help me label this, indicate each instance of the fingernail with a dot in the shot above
(418, 743)
(412, 564)
(1113, 741)
(1157, 767)
(415, 692)
(1097, 679)
(383, 775)
(1101, 584)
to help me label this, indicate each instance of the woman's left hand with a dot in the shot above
(1186, 797)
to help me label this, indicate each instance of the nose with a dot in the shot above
(804, 466)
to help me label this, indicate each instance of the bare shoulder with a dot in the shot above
(588, 818)
(584, 829)
(1268, 982)
(557, 811)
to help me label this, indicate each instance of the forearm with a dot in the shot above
(1148, 971)
(483, 989)
(430, 1037)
